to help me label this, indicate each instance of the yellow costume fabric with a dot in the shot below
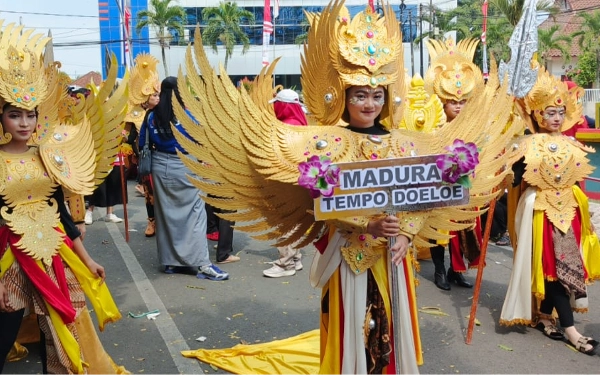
(295, 355)
(103, 305)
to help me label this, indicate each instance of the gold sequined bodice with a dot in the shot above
(26, 190)
(554, 164)
(361, 250)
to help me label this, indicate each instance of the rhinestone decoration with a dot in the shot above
(58, 159)
(321, 144)
(557, 178)
(397, 100)
(371, 324)
(328, 98)
(374, 138)
(552, 147)
(58, 137)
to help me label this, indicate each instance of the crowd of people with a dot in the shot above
(364, 303)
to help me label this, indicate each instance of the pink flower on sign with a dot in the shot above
(319, 176)
(460, 162)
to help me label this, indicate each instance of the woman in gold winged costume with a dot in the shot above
(452, 76)
(352, 73)
(43, 264)
(557, 251)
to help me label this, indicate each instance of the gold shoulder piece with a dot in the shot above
(553, 165)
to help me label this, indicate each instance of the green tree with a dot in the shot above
(224, 25)
(549, 40)
(589, 41)
(163, 17)
(513, 9)
(584, 74)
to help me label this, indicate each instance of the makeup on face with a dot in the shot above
(364, 104)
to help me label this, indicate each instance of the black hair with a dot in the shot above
(163, 112)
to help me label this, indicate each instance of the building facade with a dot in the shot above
(287, 27)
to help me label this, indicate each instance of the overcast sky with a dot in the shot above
(71, 21)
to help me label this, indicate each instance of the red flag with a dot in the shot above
(267, 31)
(484, 10)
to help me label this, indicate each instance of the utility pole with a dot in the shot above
(421, 35)
(412, 50)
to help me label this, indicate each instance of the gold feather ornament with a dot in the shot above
(249, 159)
(143, 82)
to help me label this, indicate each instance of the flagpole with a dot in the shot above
(124, 28)
(484, 69)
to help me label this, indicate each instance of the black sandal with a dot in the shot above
(550, 331)
(582, 342)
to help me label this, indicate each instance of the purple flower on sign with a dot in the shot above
(459, 164)
(319, 176)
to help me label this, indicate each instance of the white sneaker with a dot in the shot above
(277, 271)
(298, 265)
(113, 218)
(89, 217)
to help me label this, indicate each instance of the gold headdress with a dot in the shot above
(143, 83)
(22, 75)
(342, 52)
(550, 91)
(452, 74)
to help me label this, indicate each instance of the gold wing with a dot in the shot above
(323, 101)
(79, 157)
(249, 159)
(482, 121)
(262, 87)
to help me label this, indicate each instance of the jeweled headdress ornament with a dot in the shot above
(550, 91)
(342, 52)
(22, 74)
(143, 82)
(452, 74)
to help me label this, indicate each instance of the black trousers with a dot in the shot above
(9, 329)
(212, 221)
(225, 243)
(557, 298)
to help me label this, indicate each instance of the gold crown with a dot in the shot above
(22, 75)
(342, 52)
(452, 74)
(550, 91)
(143, 83)
(144, 79)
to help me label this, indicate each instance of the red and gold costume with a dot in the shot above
(39, 267)
(554, 237)
(246, 152)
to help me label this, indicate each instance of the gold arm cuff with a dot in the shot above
(76, 204)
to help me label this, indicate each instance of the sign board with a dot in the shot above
(386, 185)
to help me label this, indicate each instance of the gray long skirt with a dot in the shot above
(180, 214)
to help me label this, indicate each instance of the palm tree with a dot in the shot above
(513, 9)
(444, 22)
(164, 16)
(588, 39)
(547, 41)
(224, 25)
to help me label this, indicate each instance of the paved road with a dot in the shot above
(251, 308)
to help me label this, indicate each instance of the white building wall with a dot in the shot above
(250, 63)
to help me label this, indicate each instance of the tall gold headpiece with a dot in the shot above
(22, 74)
(342, 52)
(452, 74)
(143, 83)
(550, 91)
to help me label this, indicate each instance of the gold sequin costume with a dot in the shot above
(553, 210)
(38, 264)
(250, 160)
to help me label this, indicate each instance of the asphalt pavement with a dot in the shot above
(250, 308)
